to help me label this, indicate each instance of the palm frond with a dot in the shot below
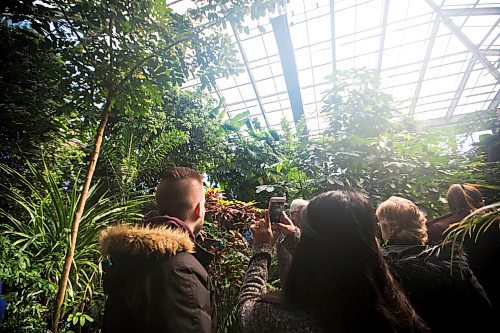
(472, 226)
(42, 226)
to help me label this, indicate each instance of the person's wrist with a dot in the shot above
(262, 248)
(263, 241)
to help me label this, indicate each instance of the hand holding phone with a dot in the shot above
(276, 206)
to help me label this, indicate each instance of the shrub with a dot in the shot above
(227, 235)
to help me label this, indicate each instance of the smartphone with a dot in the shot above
(276, 206)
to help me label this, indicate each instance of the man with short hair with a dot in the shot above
(156, 278)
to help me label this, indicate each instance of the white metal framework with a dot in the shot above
(438, 58)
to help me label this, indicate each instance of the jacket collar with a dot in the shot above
(202, 255)
(144, 240)
(158, 235)
(403, 251)
(158, 220)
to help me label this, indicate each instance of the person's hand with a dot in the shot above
(262, 232)
(286, 226)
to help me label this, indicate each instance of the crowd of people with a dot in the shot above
(337, 274)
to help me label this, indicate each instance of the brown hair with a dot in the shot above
(402, 222)
(338, 273)
(178, 193)
(464, 198)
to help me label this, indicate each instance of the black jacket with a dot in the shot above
(483, 252)
(155, 280)
(436, 228)
(445, 294)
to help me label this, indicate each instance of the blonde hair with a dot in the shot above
(402, 222)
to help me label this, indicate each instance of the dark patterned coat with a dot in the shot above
(444, 293)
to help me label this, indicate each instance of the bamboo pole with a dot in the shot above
(63, 282)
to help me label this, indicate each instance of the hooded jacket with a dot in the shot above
(155, 279)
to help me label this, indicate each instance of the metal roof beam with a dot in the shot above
(432, 38)
(332, 32)
(464, 39)
(453, 120)
(471, 11)
(250, 74)
(494, 105)
(494, 102)
(491, 52)
(460, 89)
(382, 36)
(287, 56)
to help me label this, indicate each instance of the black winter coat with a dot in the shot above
(156, 281)
(446, 295)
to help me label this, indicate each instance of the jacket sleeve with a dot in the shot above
(291, 241)
(254, 285)
(191, 305)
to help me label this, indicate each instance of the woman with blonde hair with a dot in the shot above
(436, 287)
(401, 222)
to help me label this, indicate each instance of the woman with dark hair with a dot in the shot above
(462, 200)
(338, 280)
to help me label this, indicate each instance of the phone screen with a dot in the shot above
(275, 209)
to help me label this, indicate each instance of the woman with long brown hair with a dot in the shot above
(338, 280)
(462, 200)
(482, 245)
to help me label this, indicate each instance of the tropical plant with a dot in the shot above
(36, 242)
(247, 159)
(34, 111)
(472, 226)
(186, 131)
(31, 69)
(126, 55)
(227, 235)
(368, 147)
(27, 290)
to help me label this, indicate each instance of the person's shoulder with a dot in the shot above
(185, 259)
(449, 218)
(185, 263)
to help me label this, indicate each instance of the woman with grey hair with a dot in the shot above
(286, 227)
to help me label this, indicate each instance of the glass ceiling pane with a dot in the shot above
(410, 71)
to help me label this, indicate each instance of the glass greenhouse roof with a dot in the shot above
(438, 58)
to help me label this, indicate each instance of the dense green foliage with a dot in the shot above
(226, 226)
(61, 60)
(35, 242)
(367, 146)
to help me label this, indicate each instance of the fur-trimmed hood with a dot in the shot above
(145, 240)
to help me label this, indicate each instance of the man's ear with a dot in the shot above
(197, 210)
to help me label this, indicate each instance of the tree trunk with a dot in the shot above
(61, 293)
